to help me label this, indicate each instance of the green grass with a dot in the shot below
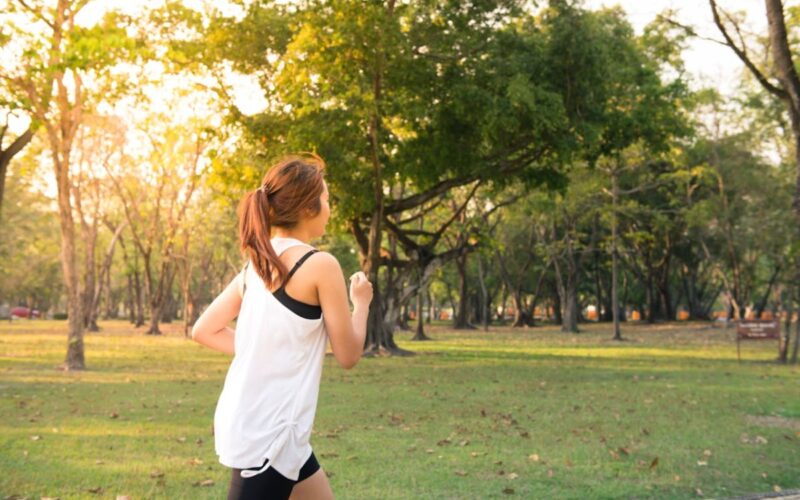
(466, 417)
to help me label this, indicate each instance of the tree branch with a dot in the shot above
(36, 13)
(740, 52)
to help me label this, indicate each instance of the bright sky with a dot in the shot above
(709, 63)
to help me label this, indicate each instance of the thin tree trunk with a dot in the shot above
(137, 283)
(484, 295)
(431, 306)
(131, 302)
(420, 333)
(787, 332)
(796, 340)
(614, 264)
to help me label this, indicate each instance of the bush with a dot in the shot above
(60, 316)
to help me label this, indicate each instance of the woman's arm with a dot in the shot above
(211, 328)
(346, 331)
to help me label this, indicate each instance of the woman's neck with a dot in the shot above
(296, 234)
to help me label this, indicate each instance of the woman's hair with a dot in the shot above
(289, 191)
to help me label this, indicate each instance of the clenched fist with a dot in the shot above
(360, 290)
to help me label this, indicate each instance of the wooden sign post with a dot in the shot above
(757, 329)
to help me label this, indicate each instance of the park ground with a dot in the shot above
(525, 413)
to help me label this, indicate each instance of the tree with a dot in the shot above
(13, 106)
(521, 255)
(29, 248)
(783, 69)
(156, 210)
(60, 56)
(436, 96)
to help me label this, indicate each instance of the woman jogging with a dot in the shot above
(290, 300)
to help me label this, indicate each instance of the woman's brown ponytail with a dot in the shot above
(289, 188)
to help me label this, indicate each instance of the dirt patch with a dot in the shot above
(773, 421)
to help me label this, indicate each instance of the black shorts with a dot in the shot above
(270, 484)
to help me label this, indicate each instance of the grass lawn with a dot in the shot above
(510, 413)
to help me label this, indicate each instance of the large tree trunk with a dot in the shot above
(74, 359)
(570, 315)
(567, 287)
(557, 309)
(168, 309)
(380, 336)
(461, 321)
(520, 311)
(786, 71)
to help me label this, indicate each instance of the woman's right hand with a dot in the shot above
(360, 289)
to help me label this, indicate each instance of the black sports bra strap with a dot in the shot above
(298, 264)
(244, 278)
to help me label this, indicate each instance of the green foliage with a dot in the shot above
(30, 247)
(100, 46)
(456, 89)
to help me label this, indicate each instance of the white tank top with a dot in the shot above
(267, 405)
